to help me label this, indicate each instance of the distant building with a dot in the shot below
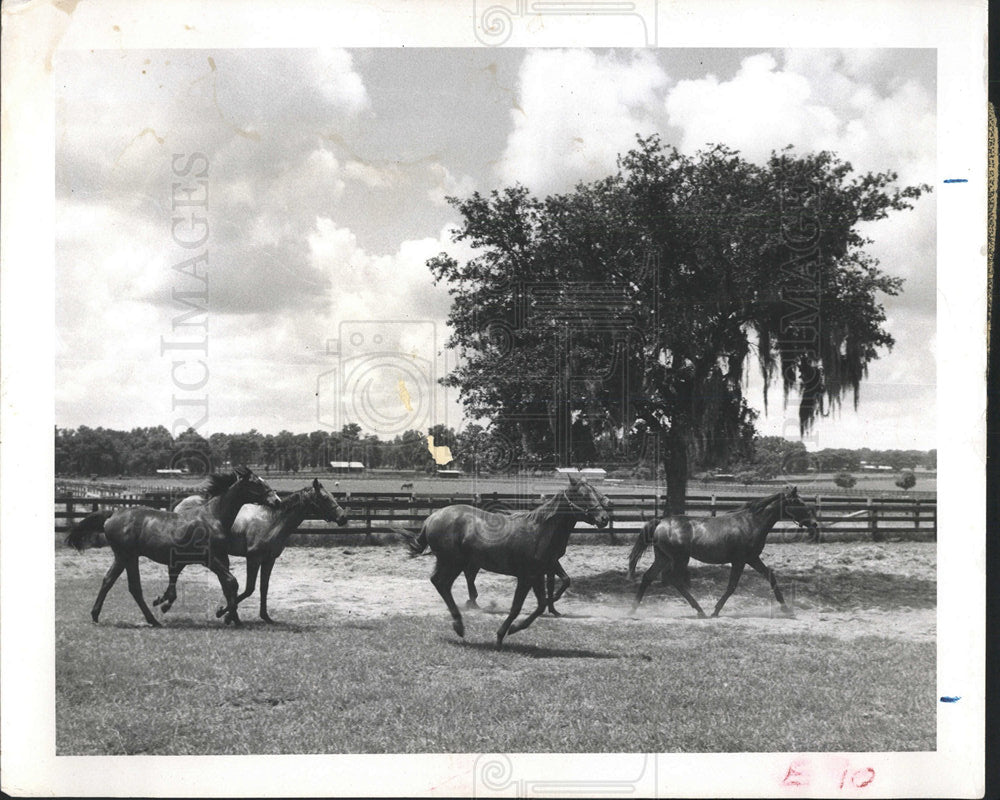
(171, 472)
(596, 474)
(567, 471)
(449, 473)
(346, 466)
(867, 467)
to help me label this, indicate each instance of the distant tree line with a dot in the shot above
(773, 456)
(142, 451)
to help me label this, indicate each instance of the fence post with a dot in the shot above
(713, 505)
(70, 519)
(818, 534)
(916, 513)
(873, 521)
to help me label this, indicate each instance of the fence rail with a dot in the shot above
(840, 517)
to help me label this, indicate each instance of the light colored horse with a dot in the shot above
(260, 534)
(199, 536)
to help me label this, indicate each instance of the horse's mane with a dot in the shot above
(543, 513)
(218, 484)
(293, 499)
(760, 503)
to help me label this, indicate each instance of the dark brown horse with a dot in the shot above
(736, 538)
(260, 534)
(525, 544)
(197, 537)
(551, 594)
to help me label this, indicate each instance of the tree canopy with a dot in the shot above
(615, 323)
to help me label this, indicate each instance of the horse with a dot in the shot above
(197, 537)
(551, 595)
(736, 538)
(525, 544)
(260, 534)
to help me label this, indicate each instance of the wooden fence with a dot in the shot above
(841, 518)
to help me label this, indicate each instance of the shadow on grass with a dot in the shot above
(835, 587)
(531, 650)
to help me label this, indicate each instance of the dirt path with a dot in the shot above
(841, 590)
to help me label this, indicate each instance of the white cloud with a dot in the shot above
(372, 176)
(333, 71)
(576, 111)
(759, 110)
(818, 100)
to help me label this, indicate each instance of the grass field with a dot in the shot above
(364, 660)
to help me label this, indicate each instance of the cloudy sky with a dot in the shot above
(324, 177)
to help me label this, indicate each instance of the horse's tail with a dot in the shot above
(85, 533)
(417, 542)
(641, 543)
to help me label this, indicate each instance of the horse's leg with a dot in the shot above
(660, 561)
(734, 578)
(135, 587)
(252, 566)
(230, 588)
(265, 580)
(550, 584)
(680, 578)
(443, 577)
(169, 596)
(768, 573)
(538, 585)
(523, 584)
(109, 580)
(470, 582)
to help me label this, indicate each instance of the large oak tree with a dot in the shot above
(629, 308)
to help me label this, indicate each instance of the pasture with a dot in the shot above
(363, 659)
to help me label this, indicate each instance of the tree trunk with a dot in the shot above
(675, 470)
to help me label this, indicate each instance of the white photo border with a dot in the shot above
(33, 31)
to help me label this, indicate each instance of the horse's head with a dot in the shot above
(794, 509)
(253, 490)
(320, 499)
(589, 503)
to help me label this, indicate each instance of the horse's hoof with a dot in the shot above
(714, 615)
(94, 618)
(499, 643)
(155, 623)
(471, 604)
(267, 619)
(220, 611)
(459, 627)
(553, 612)
(157, 601)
